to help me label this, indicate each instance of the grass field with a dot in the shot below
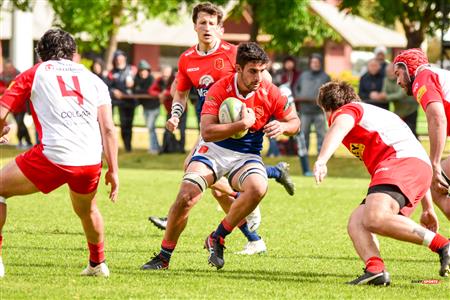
(310, 255)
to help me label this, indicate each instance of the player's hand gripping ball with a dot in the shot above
(230, 111)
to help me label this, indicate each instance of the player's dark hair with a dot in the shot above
(335, 94)
(208, 8)
(250, 52)
(56, 44)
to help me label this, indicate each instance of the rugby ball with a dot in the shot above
(230, 111)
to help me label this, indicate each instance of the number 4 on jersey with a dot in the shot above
(74, 92)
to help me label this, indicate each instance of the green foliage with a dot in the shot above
(24, 5)
(290, 22)
(95, 21)
(418, 17)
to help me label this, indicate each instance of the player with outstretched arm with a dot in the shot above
(400, 173)
(71, 109)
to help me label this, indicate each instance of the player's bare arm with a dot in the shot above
(428, 219)
(338, 130)
(4, 128)
(178, 107)
(437, 128)
(109, 142)
(289, 125)
(213, 131)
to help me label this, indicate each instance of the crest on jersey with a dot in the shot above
(219, 63)
(357, 150)
(48, 67)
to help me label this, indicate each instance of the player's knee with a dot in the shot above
(352, 226)
(187, 197)
(373, 221)
(257, 191)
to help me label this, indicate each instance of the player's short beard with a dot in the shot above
(409, 85)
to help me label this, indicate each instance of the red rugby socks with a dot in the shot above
(96, 253)
(375, 265)
(167, 248)
(438, 242)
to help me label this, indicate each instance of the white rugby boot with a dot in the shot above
(254, 219)
(100, 270)
(251, 248)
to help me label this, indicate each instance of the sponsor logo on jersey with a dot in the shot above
(193, 69)
(204, 84)
(415, 87)
(219, 64)
(420, 93)
(357, 150)
(381, 170)
(75, 114)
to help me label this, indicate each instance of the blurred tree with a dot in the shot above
(290, 23)
(418, 17)
(97, 22)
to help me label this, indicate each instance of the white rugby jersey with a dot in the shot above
(378, 135)
(433, 85)
(64, 98)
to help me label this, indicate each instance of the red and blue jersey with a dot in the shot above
(266, 102)
(201, 70)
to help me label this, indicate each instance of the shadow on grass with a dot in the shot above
(254, 275)
(349, 167)
(343, 166)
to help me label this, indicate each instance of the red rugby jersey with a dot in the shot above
(378, 135)
(433, 85)
(201, 70)
(266, 101)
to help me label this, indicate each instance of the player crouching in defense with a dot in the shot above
(400, 178)
(71, 109)
(239, 159)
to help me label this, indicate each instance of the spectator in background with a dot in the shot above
(288, 74)
(161, 89)
(371, 83)
(121, 82)
(306, 90)
(98, 69)
(380, 56)
(404, 106)
(142, 83)
(6, 77)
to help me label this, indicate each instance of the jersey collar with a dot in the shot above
(238, 94)
(203, 53)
